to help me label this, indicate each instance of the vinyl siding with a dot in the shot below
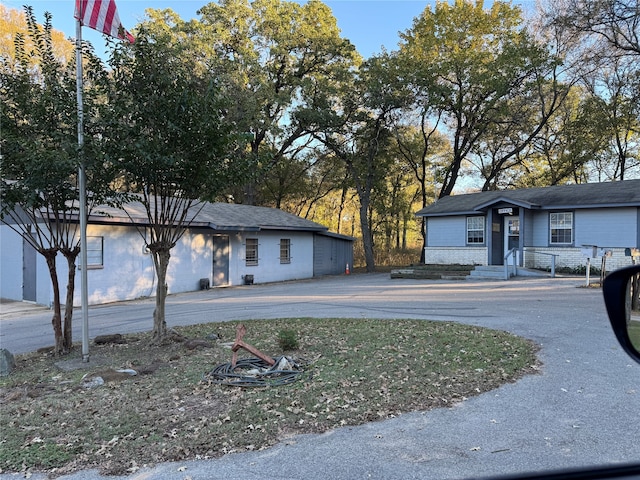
(540, 234)
(447, 231)
(528, 229)
(606, 227)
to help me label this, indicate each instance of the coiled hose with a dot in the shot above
(255, 372)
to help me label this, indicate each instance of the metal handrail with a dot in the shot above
(553, 260)
(510, 253)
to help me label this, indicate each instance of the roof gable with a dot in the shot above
(587, 195)
(506, 199)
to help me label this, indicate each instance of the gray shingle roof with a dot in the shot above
(218, 216)
(586, 195)
(224, 216)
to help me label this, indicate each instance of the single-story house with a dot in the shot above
(226, 244)
(570, 222)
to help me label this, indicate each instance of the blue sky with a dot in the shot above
(368, 24)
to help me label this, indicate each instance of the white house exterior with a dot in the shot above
(226, 245)
(570, 222)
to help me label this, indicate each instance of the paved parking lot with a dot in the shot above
(582, 409)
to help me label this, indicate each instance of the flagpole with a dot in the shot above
(107, 21)
(82, 185)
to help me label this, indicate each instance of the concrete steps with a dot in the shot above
(487, 272)
(496, 272)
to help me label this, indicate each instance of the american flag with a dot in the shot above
(102, 15)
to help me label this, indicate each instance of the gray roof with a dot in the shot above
(586, 195)
(216, 216)
(225, 216)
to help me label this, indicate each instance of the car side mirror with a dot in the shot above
(619, 289)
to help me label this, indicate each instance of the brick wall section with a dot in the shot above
(572, 258)
(456, 255)
(567, 257)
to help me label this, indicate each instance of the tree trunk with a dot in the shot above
(343, 198)
(451, 178)
(423, 234)
(56, 321)
(367, 238)
(161, 258)
(405, 222)
(71, 256)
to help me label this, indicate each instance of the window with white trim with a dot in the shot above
(475, 230)
(561, 228)
(285, 250)
(251, 251)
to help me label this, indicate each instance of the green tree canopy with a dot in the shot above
(470, 63)
(169, 140)
(39, 145)
(280, 58)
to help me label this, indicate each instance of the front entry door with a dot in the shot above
(220, 260)
(511, 237)
(29, 271)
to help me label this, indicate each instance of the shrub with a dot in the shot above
(288, 340)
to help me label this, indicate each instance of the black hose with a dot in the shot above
(262, 374)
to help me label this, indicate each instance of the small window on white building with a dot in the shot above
(95, 252)
(285, 250)
(251, 252)
(561, 228)
(475, 230)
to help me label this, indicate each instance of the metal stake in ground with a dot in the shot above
(238, 344)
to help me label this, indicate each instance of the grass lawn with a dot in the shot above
(634, 332)
(357, 371)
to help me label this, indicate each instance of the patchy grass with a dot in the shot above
(358, 370)
(634, 332)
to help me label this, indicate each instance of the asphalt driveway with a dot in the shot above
(582, 409)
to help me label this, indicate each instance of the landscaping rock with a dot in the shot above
(93, 382)
(7, 362)
(109, 375)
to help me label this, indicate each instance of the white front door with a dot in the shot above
(511, 237)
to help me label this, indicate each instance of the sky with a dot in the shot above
(368, 24)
